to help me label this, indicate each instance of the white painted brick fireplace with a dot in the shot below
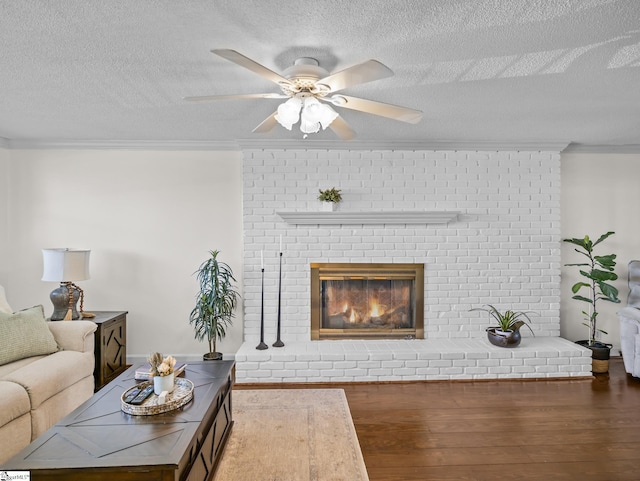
(501, 247)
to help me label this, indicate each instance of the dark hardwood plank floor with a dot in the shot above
(497, 430)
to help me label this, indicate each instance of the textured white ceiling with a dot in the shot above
(511, 71)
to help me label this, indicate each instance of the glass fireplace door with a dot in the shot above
(367, 301)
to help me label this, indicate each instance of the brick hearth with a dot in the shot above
(430, 360)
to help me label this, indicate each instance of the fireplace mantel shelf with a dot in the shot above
(369, 217)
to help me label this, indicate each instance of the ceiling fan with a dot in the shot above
(310, 91)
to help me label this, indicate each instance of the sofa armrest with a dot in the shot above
(630, 339)
(73, 335)
(630, 313)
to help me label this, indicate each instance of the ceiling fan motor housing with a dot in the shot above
(303, 75)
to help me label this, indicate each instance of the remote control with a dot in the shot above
(132, 394)
(142, 395)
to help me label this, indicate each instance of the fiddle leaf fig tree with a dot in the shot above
(597, 272)
(215, 302)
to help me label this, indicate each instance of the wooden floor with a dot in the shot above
(499, 430)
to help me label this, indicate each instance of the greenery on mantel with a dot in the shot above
(330, 195)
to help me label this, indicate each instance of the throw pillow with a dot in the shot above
(25, 334)
(4, 305)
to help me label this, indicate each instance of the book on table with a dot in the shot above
(143, 373)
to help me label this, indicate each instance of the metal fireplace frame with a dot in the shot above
(325, 271)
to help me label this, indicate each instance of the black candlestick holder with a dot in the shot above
(262, 346)
(279, 342)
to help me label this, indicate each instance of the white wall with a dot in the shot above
(502, 250)
(4, 212)
(149, 218)
(138, 212)
(600, 193)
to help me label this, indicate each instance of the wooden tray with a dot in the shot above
(181, 395)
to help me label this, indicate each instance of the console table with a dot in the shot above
(110, 346)
(99, 441)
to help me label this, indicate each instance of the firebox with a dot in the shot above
(367, 301)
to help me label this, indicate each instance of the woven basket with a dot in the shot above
(599, 366)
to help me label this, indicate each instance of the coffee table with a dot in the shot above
(99, 441)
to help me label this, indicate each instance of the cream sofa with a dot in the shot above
(37, 390)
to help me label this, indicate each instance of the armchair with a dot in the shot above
(630, 323)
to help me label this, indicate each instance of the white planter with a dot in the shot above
(328, 206)
(163, 383)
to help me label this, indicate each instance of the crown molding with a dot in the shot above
(602, 149)
(306, 144)
(299, 144)
(20, 144)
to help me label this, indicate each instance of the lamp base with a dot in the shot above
(61, 305)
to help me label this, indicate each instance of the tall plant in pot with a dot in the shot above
(597, 272)
(215, 303)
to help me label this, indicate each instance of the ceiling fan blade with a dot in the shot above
(391, 111)
(342, 129)
(358, 74)
(233, 97)
(267, 124)
(252, 65)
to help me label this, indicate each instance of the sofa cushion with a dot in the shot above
(52, 374)
(6, 369)
(25, 334)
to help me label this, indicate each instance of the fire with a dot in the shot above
(375, 309)
(352, 317)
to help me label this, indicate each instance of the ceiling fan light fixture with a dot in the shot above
(308, 127)
(289, 112)
(328, 116)
(316, 112)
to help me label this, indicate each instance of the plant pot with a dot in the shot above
(503, 338)
(328, 206)
(212, 356)
(600, 353)
(163, 383)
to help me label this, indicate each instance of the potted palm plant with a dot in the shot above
(507, 332)
(597, 271)
(215, 303)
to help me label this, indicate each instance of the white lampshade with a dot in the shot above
(315, 112)
(308, 127)
(289, 112)
(65, 265)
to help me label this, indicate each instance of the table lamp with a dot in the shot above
(65, 266)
